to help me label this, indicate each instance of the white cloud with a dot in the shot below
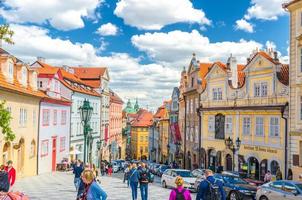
(155, 14)
(265, 9)
(107, 29)
(151, 83)
(175, 48)
(242, 24)
(63, 15)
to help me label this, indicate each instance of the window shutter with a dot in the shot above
(296, 160)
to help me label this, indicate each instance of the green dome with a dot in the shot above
(129, 108)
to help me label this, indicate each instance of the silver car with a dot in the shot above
(291, 190)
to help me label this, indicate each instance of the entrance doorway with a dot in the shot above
(253, 168)
(212, 162)
(54, 153)
(263, 168)
(229, 162)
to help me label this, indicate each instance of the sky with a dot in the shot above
(144, 43)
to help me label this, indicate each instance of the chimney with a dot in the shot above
(232, 62)
(41, 59)
(276, 59)
(248, 60)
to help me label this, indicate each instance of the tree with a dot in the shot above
(5, 118)
(6, 34)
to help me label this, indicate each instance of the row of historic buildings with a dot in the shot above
(44, 103)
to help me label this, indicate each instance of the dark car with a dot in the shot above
(161, 169)
(244, 177)
(236, 188)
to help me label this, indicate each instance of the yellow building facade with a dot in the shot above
(18, 88)
(140, 135)
(295, 72)
(245, 102)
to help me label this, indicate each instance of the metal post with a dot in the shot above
(85, 142)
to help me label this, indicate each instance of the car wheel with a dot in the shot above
(233, 196)
(164, 184)
(263, 198)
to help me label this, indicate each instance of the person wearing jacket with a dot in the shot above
(204, 186)
(11, 173)
(134, 178)
(144, 178)
(180, 190)
(92, 190)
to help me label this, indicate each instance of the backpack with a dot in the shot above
(144, 176)
(213, 192)
(180, 195)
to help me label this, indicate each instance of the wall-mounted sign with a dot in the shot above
(262, 149)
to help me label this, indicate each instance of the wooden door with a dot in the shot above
(54, 153)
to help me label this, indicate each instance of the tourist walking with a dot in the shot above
(11, 173)
(144, 179)
(126, 175)
(103, 169)
(180, 192)
(210, 188)
(4, 184)
(77, 171)
(110, 169)
(268, 176)
(134, 178)
(92, 190)
(278, 174)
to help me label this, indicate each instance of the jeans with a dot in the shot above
(144, 191)
(77, 182)
(134, 190)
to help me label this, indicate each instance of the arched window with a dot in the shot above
(274, 167)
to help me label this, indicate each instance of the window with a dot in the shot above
(260, 89)
(192, 82)
(44, 148)
(22, 117)
(40, 84)
(217, 94)
(277, 185)
(45, 117)
(246, 125)
(55, 117)
(24, 76)
(62, 143)
(10, 70)
(147, 138)
(259, 126)
(228, 124)
(63, 117)
(274, 126)
(141, 138)
(211, 124)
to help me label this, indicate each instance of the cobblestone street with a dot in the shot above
(59, 186)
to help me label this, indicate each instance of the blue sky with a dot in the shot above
(144, 43)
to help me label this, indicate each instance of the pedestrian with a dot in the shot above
(92, 190)
(179, 193)
(103, 170)
(268, 176)
(144, 179)
(290, 174)
(109, 170)
(11, 173)
(210, 188)
(77, 171)
(4, 184)
(134, 178)
(278, 174)
(126, 175)
(95, 173)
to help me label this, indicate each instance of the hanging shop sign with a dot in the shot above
(262, 149)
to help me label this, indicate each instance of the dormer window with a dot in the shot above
(11, 70)
(34, 80)
(217, 94)
(24, 76)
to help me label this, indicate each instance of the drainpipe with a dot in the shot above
(284, 112)
(185, 135)
(70, 111)
(38, 142)
(199, 131)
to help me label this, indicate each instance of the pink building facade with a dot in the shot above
(115, 126)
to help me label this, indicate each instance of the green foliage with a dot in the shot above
(6, 34)
(5, 118)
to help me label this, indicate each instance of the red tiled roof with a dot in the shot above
(160, 113)
(144, 119)
(89, 72)
(283, 75)
(115, 98)
(241, 75)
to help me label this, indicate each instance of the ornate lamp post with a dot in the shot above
(233, 147)
(86, 112)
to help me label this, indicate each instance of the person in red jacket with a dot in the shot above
(11, 172)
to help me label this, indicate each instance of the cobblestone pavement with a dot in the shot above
(59, 186)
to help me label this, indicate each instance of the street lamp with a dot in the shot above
(233, 147)
(98, 146)
(85, 113)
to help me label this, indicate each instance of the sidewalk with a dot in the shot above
(59, 186)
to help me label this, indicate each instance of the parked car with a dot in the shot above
(161, 169)
(279, 190)
(115, 166)
(236, 188)
(169, 176)
(199, 174)
(155, 168)
(243, 176)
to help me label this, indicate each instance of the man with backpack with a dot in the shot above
(180, 193)
(210, 188)
(144, 179)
